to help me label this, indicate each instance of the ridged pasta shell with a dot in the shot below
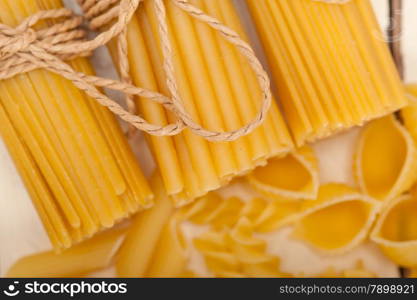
(396, 231)
(338, 221)
(293, 177)
(386, 159)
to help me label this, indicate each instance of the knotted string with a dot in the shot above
(101, 13)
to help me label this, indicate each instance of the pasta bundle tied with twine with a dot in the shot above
(198, 54)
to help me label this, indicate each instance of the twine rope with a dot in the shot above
(101, 13)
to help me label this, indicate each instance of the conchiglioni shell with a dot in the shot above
(396, 231)
(338, 221)
(386, 159)
(293, 177)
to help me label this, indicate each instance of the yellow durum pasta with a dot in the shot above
(89, 256)
(154, 245)
(330, 64)
(70, 151)
(217, 88)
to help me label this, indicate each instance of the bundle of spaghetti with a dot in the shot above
(70, 151)
(217, 87)
(330, 64)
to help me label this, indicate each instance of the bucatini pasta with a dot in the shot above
(330, 64)
(70, 151)
(218, 89)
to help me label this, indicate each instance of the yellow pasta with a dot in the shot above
(359, 271)
(70, 151)
(339, 220)
(137, 249)
(237, 253)
(412, 273)
(82, 259)
(325, 81)
(153, 246)
(409, 113)
(220, 213)
(218, 89)
(292, 177)
(396, 231)
(386, 159)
